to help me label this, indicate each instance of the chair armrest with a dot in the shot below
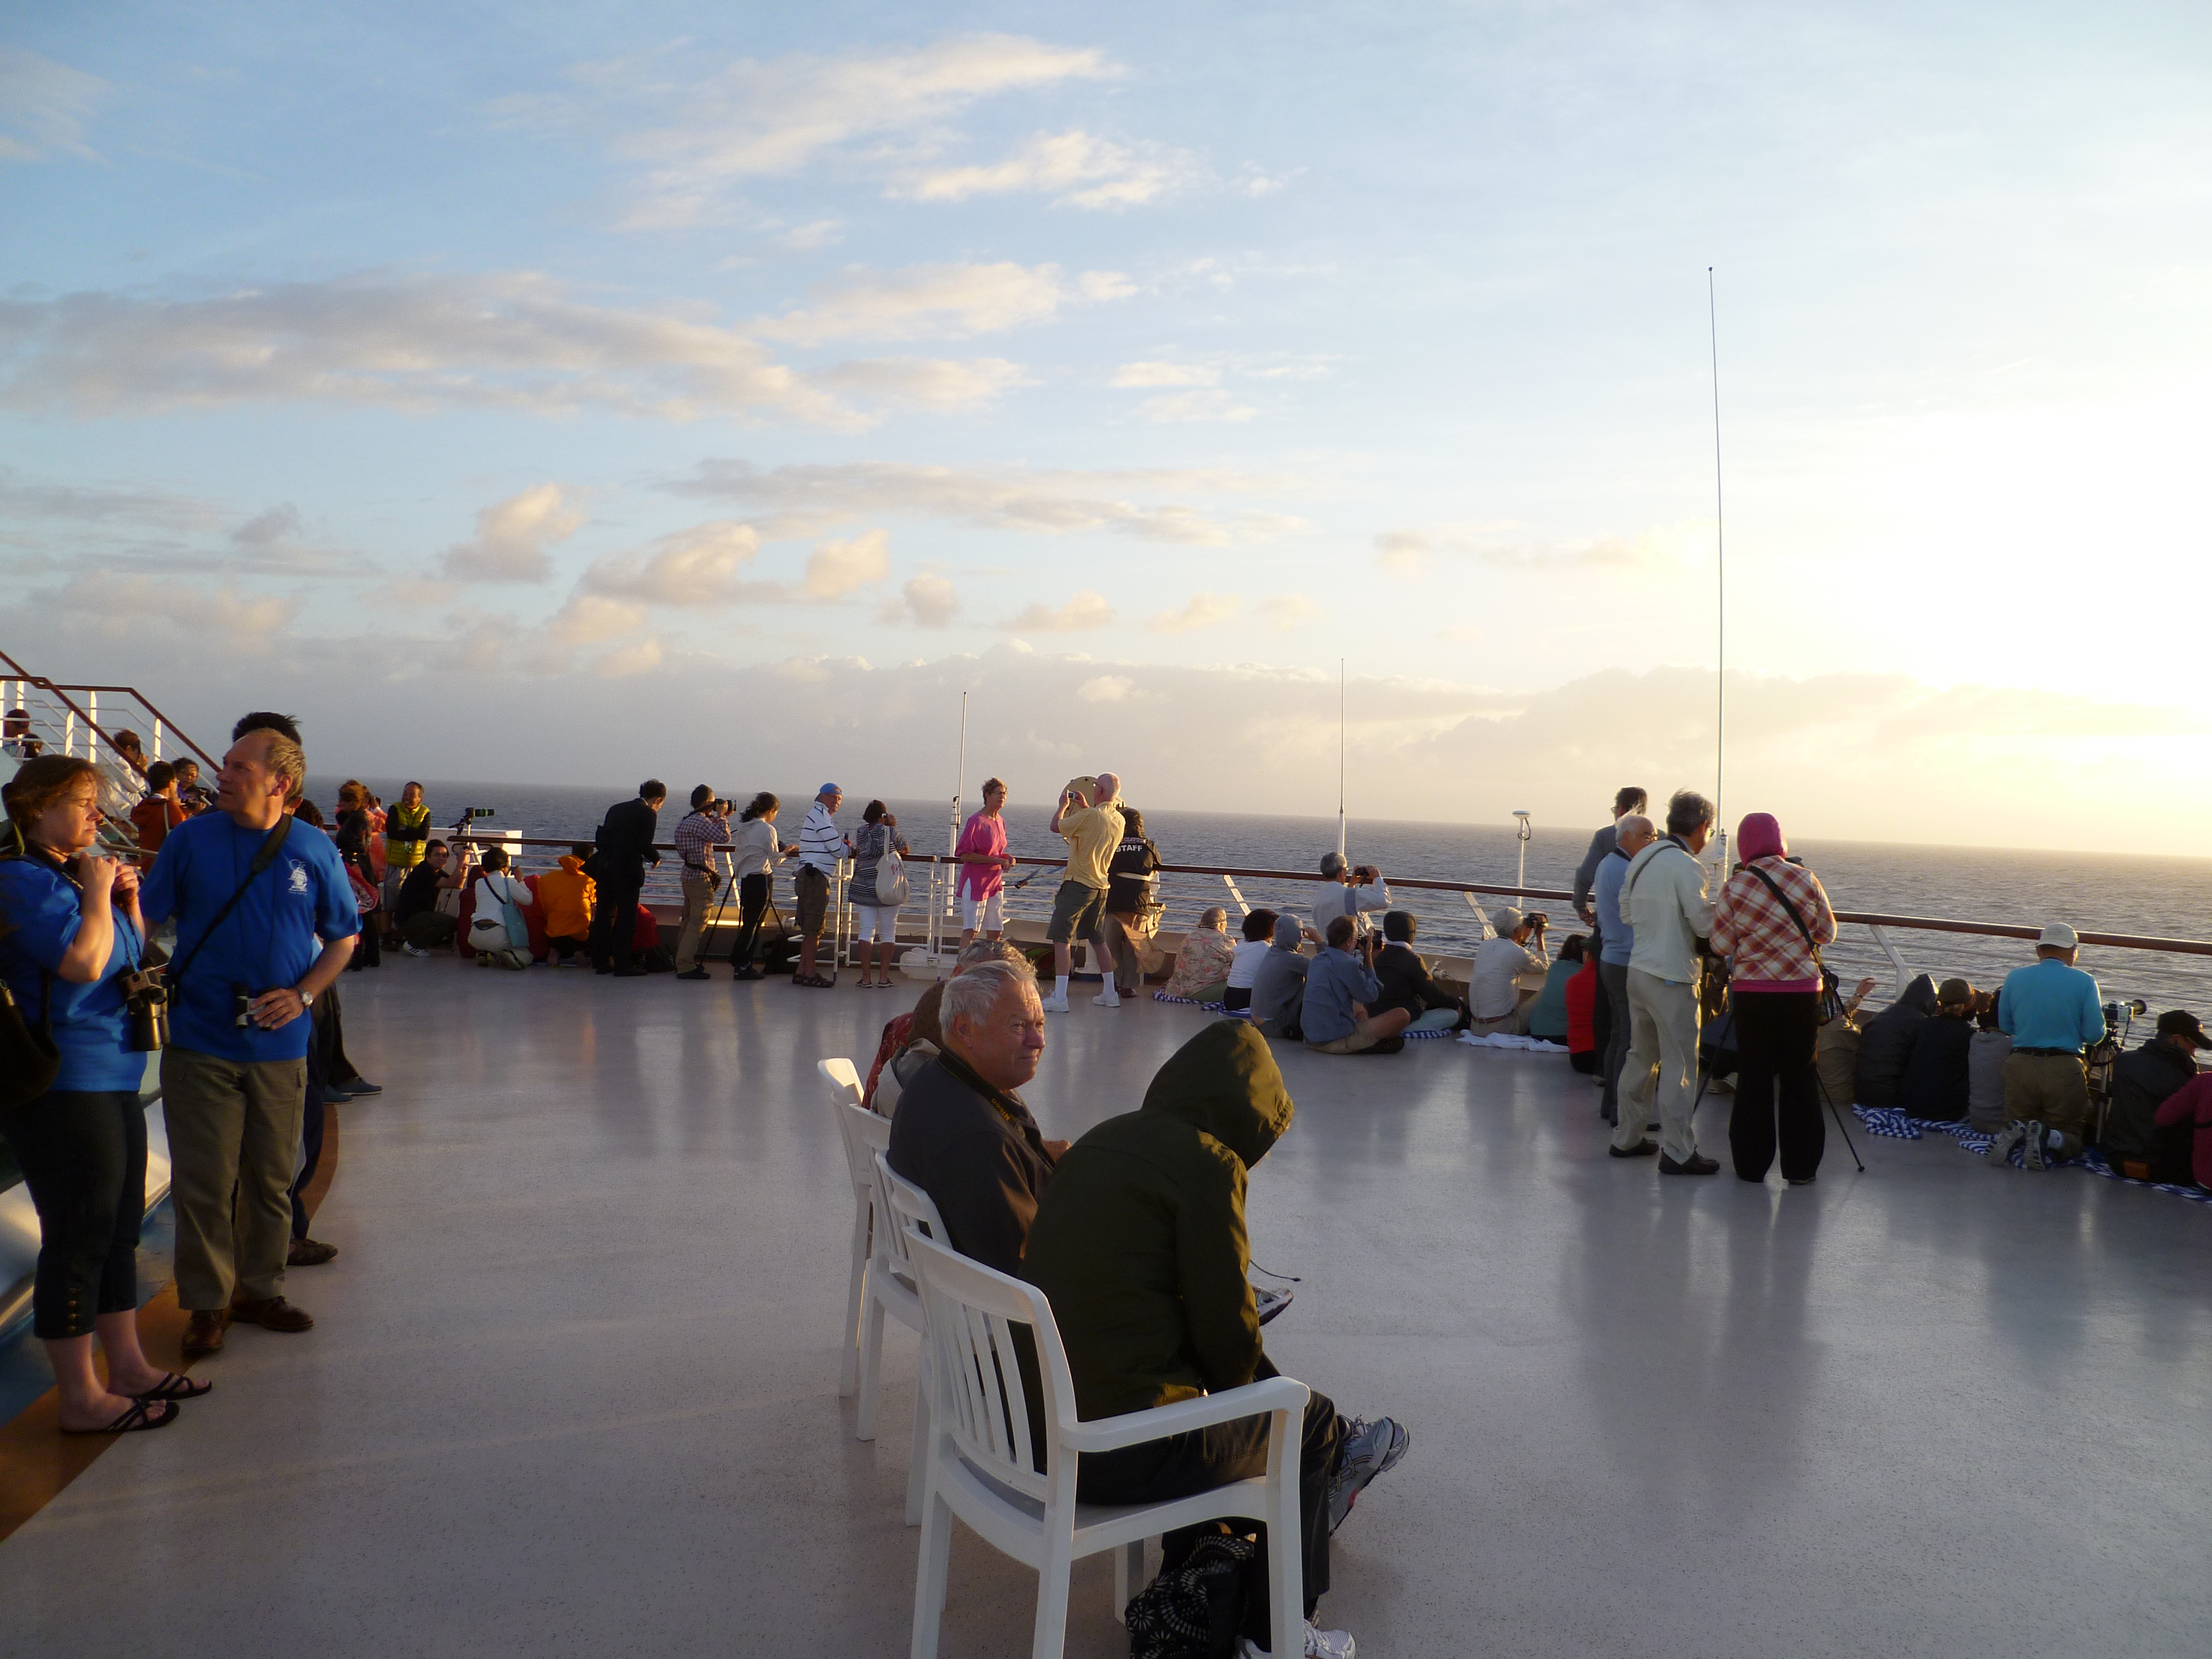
(1135, 1428)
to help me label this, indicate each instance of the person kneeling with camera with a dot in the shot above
(1509, 974)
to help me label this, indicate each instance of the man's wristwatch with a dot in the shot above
(307, 998)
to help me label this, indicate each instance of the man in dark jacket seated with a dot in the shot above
(1406, 982)
(1933, 1084)
(1883, 1043)
(1140, 1246)
(2143, 1079)
(961, 1134)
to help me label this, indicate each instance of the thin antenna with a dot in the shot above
(1340, 758)
(960, 784)
(1720, 571)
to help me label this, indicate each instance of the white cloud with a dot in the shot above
(102, 504)
(924, 382)
(592, 619)
(1107, 688)
(1204, 610)
(1403, 551)
(637, 656)
(837, 568)
(918, 302)
(807, 498)
(927, 601)
(1287, 611)
(44, 107)
(1086, 610)
(695, 568)
(1663, 547)
(1189, 406)
(1159, 374)
(104, 603)
(511, 538)
(1079, 169)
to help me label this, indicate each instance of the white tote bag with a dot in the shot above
(891, 888)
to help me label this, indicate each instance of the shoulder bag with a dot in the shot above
(1783, 899)
(891, 887)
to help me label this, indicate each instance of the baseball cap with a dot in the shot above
(1505, 919)
(1333, 864)
(828, 789)
(2059, 934)
(2180, 1022)
(1954, 991)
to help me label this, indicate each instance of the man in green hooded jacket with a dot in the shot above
(1139, 1244)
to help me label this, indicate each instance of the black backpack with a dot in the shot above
(1195, 1608)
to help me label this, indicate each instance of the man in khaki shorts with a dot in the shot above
(1087, 821)
(2051, 1011)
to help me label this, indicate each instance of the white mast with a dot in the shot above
(1340, 758)
(1720, 584)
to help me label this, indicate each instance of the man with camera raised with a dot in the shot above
(251, 896)
(1349, 890)
(1509, 974)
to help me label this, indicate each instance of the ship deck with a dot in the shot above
(572, 1389)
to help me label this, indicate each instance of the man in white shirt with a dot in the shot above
(1349, 890)
(1509, 974)
(821, 847)
(1662, 895)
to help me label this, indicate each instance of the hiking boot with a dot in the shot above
(1369, 1450)
(1696, 1163)
(2002, 1145)
(204, 1332)
(1055, 1003)
(309, 1253)
(1319, 1644)
(272, 1313)
(2034, 1153)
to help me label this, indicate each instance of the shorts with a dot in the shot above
(875, 922)
(813, 889)
(1077, 911)
(987, 915)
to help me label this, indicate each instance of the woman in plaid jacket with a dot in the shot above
(1770, 919)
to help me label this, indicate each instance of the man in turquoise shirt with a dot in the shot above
(2051, 1011)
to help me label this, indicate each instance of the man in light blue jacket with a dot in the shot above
(1341, 991)
(1616, 938)
(1663, 897)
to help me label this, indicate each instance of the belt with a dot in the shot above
(2070, 1053)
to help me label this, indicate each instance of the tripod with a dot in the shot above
(722, 904)
(1705, 1075)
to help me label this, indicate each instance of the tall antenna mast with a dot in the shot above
(1720, 575)
(960, 783)
(1340, 758)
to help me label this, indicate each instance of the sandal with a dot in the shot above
(175, 1386)
(140, 1416)
(813, 981)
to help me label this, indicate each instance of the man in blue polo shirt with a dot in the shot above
(247, 968)
(2051, 1011)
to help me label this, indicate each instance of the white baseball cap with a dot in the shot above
(2058, 934)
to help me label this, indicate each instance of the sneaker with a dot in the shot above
(2034, 1154)
(1369, 1450)
(692, 973)
(309, 1253)
(1319, 1644)
(2002, 1145)
(361, 1086)
(1055, 1005)
(414, 951)
(1106, 999)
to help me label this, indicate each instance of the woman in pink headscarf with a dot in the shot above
(1770, 921)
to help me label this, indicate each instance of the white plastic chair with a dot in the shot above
(893, 1289)
(845, 1098)
(982, 1466)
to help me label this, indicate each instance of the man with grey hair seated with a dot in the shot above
(911, 1040)
(961, 1134)
(1662, 896)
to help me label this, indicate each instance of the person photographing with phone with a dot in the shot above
(266, 921)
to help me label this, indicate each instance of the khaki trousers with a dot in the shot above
(234, 1128)
(1513, 1025)
(2052, 1090)
(1662, 1065)
(699, 888)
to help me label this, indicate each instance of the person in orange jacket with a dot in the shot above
(565, 896)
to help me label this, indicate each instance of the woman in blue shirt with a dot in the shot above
(70, 936)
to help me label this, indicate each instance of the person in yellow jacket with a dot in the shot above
(565, 896)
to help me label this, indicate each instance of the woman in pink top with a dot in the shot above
(984, 861)
(1770, 920)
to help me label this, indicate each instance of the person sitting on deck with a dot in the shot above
(911, 1040)
(2183, 1156)
(2052, 1011)
(1502, 995)
(2143, 1079)
(1349, 890)
(1985, 1063)
(1140, 1246)
(961, 1134)
(1201, 969)
(422, 925)
(566, 894)
(1885, 1040)
(1338, 1014)
(1279, 986)
(1938, 1077)
(1406, 983)
(1244, 962)
(1547, 1015)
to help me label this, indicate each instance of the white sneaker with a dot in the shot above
(2002, 1143)
(1107, 999)
(1055, 1005)
(414, 949)
(1320, 1644)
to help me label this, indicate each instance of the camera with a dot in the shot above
(470, 814)
(1537, 921)
(241, 1006)
(147, 1004)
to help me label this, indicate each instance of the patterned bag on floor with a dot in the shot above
(1195, 1610)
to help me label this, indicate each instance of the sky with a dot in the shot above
(555, 393)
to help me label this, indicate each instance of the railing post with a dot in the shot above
(1896, 960)
(91, 726)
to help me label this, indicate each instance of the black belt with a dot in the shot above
(2070, 1053)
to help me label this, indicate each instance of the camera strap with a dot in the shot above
(1783, 899)
(270, 847)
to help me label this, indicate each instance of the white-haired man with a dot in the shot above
(1086, 819)
(1631, 834)
(1662, 895)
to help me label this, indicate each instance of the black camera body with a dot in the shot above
(147, 1004)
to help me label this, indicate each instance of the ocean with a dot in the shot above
(2118, 893)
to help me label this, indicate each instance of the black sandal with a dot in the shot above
(175, 1386)
(814, 982)
(140, 1416)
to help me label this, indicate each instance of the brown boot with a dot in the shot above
(272, 1314)
(309, 1253)
(204, 1332)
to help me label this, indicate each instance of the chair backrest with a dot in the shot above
(981, 1397)
(908, 1209)
(845, 1101)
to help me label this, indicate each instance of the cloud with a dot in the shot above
(1664, 547)
(1159, 374)
(927, 601)
(1086, 610)
(1107, 688)
(1287, 611)
(1204, 610)
(592, 619)
(1079, 169)
(1191, 406)
(1403, 551)
(44, 107)
(924, 382)
(104, 603)
(513, 340)
(100, 505)
(919, 302)
(754, 118)
(810, 498)
(511, 538)
(695, 568)
(837, 568)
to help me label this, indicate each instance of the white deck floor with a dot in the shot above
(573, 1390)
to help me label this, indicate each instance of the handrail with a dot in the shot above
(1871, 919)
(76, 709)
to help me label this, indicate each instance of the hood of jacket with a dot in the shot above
(1758, 836)
(1920, 995)
(1286, 932)
(1224, 1083)
(572, 863)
